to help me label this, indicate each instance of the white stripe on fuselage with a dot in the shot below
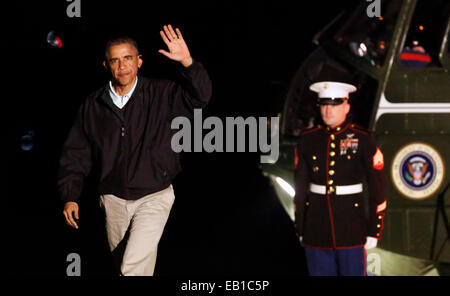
(386, 107)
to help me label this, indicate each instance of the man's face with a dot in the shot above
(334, 115)
(123, 61)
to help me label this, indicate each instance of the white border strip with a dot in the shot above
(386, 107)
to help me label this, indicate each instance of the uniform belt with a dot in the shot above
(340, 190)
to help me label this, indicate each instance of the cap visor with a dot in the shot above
(330, 101)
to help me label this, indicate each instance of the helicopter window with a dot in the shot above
(369, 37)
(426, 32)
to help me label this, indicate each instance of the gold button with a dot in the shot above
(333, 145)
(332, 163)
(356, 205)
(339, 128)
(330, 182)
(332, 153)
(315, 169)
(307, 203)
(331, 172)
(314, 157)
(348, 157)
(332, 137)
(331, 189)
(378, 226)
(380, 217)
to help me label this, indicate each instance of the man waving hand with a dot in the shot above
(123, 129)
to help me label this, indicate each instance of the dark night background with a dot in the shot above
(226, 220)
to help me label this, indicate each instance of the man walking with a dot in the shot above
(123, 130)
(332, 163)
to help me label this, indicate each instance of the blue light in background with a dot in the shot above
(27, 141)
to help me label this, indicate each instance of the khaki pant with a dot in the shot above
(145, 219)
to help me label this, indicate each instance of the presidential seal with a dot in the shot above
(417, 170)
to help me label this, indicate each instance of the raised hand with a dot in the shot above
(178, 50)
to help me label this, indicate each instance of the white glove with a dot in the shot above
(371, 243)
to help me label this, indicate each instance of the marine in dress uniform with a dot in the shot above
(337, 166)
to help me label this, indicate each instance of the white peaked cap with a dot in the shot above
(330, 89)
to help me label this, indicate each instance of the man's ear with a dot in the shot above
(347, 107)
(104, 65)
(140, 60)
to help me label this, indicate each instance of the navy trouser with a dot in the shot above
(342, 262)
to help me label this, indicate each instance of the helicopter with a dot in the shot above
(399, 61)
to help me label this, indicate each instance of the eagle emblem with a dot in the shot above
(418, 173)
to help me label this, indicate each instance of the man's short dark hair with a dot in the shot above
(120, 40)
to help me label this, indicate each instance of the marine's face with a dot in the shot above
(334, 115)
(123, 61)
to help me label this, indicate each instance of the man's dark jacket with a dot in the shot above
(130, 147)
